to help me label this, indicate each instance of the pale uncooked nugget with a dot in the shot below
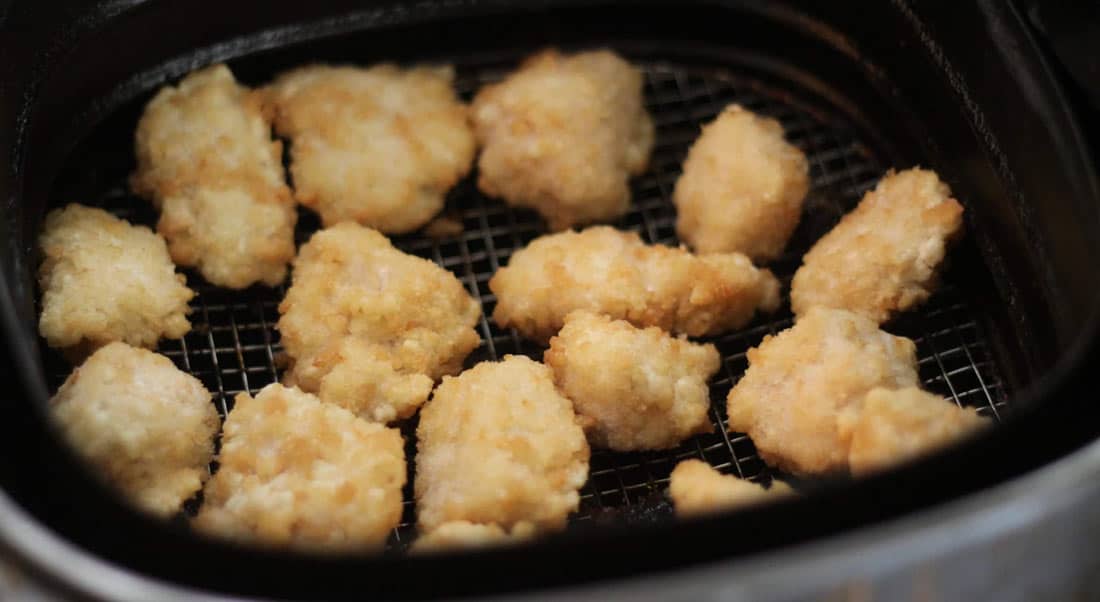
(207, 161)
(369, 327)
(145, 426)
(634, 389)
(802, 382)
(378, 146)
(105, 280)
(742, 188)
(897, 425)
(611, 272)
(697, 488)
(499, 444)
(563, 134)
(464, 534)
(296, 472)
(884, 256)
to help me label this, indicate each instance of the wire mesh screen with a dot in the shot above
(234, 346)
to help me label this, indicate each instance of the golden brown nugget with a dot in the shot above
(207, 161)
(897, 425)
(295, 472)
(499, 445)
(563, 134)
(370, 328)
(883, 257)
(634, 389)
(147, 427)
(801, 382)
(742, 188)
(105, 280)
(696, 488)
(378, 146)
(614, 273)
(464, 534)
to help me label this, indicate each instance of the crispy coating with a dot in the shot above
(883, 257)
(801, 382)
(614, 273)
(634, 389)
(207, 161)
(742, 187)
(464, 534)
(697, 488)
(499, 445)
(379, 146)
(105, 280)
(296, 472)
(369, 328)
(895, 425)
(563, 134)
(146, 426)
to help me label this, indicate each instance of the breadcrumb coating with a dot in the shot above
(563, 134)
(742, 188)
(611, 272)
(105, 280)
(634, 389)
(884, 256)
(207, 161)
(147, 427)
(378, 146)
(499, 445)
(801, 382)
(696, 488)
(296, 472)
(370, 328)
(896, 425)
(464, 534)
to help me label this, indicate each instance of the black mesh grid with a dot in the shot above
(234, 347)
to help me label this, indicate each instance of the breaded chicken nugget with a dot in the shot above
(299, 473)
(146, 426)
(105, 280)
(883, 257)
(499, 445)
(206, 159)
(464, 534)
(614, 273)
(697, 488)
(563, 135)
(802, 381)
(379, 146)
(634, 389)
(742, 187)
(369, 328)
(895, 425)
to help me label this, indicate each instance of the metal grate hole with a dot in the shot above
(234, 346)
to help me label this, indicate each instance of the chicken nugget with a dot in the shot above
(614, 273)
(883, 257)
(742, 187)
(697, 488)
(634, 389)
(207, 161)
(499, 445)
(464, 534)
(378, 146)
(563, 134)
(801, 382)
(896, 425)
(295, 472)
(370, 328)
(145, 425)
(105, 280)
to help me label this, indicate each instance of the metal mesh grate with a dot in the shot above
(233, 346)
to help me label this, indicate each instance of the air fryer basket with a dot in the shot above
(1000, 335)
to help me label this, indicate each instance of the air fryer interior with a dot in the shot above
(845, 95)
